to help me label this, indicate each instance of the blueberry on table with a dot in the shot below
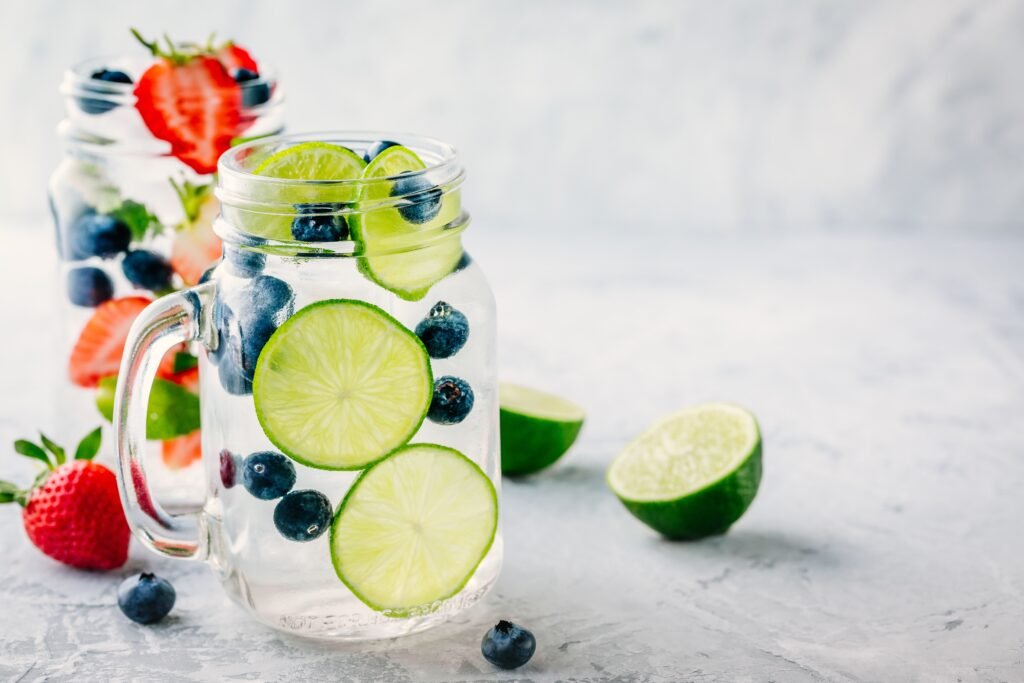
(444, 331)
(303, 515)
(508, 645)
(421, 200)
(145, 599)
(314, 224)
(89, 286)
(91, 105)
(253, 94)
(452, 401)
(94, 234)
(147, 270)
(268, 475)
(376, 148)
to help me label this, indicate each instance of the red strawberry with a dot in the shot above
(183, 451)
(73, 512)
(196, 245)
(235, 57)
(97, 352)
(190, 100)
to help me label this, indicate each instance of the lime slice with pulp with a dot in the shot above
(537, 428)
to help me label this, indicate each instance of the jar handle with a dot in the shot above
(168, 321)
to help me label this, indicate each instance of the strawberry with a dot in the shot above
(196, 245)
(235, 57)
(72, 512)
(188, 379)
(189, 99)
(183, 451)
(97, 353)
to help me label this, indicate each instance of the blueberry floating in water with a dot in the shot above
(92, 105)
(452, 401)
(89, 286)
(314, 223)
(94, 234)
(268, 475)
(253, 94)
(421, 200)
(444, 331)
(508, 645)
(147, 270)
(146, 598)
(228, 468)
(244, 262)
(376, 148)
(303, 515)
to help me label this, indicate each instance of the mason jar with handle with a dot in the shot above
(348, 390)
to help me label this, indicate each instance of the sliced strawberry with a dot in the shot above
(193, 103)
(196, 245)
(97, 353)
(183, 451)
(234, 57)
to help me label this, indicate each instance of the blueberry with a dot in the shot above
(91, 105)
(314, 224)
(232, 378)
(376, 148)
(421, 200)
(207, 274)
(253, 94)
(463, 263)
(228, 468)
(147, 270)
(444, 331)
(264, 306)
(268, 475)
(303, 515)
(145, 599)
(95, 234)
(245, 263)
(508, 645)
(89, 286)
(452, 401)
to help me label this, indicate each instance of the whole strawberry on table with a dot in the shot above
(72, 511)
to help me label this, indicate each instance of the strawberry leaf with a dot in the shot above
(8, 492)
(183, 360)
(30, 450)
(57, 451)
(140, 221)
(90, 445)
(192, 196)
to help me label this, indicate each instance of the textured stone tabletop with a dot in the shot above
(885, 544)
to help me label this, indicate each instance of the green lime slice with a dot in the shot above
(694, 473)
(341, 384)
(413, 528)
(537, 428)
(305, 161)
(409, 274)
(173, 409)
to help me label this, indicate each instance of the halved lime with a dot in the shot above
(341, 384)
(537, 428)
(386, 236)
(306, 161)
(692, 474)
(413, 528)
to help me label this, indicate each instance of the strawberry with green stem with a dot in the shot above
(196, 245)
(72, 511)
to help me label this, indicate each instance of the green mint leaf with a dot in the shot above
(57, 451)
(90, 445)
(138, 218)
(183, 360)
(30, 450)
(173, 409)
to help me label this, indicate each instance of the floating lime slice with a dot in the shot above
(341, 384)
(413, 528)
(387, 236)
(537, 428)
(306, 161)
(692, 474)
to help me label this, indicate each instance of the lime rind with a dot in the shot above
(537, 428)
(540, 404)
(366, 406)
(353, 528)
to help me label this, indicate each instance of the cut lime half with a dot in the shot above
(692, 474)
(341, 384)
(387, 237)
(413, 528)
(537, 428)
(320, 161)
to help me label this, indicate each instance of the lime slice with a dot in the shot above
(693, 473)
(341, 384)
(305, 161)
(413, 528)
(383, 229)
(537, 428)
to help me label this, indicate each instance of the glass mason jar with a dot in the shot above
(134, 219)
(349, 401)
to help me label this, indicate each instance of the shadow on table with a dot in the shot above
(760, 548)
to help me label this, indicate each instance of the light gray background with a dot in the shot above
(812, 209)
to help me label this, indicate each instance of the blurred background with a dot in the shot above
(594, 117)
